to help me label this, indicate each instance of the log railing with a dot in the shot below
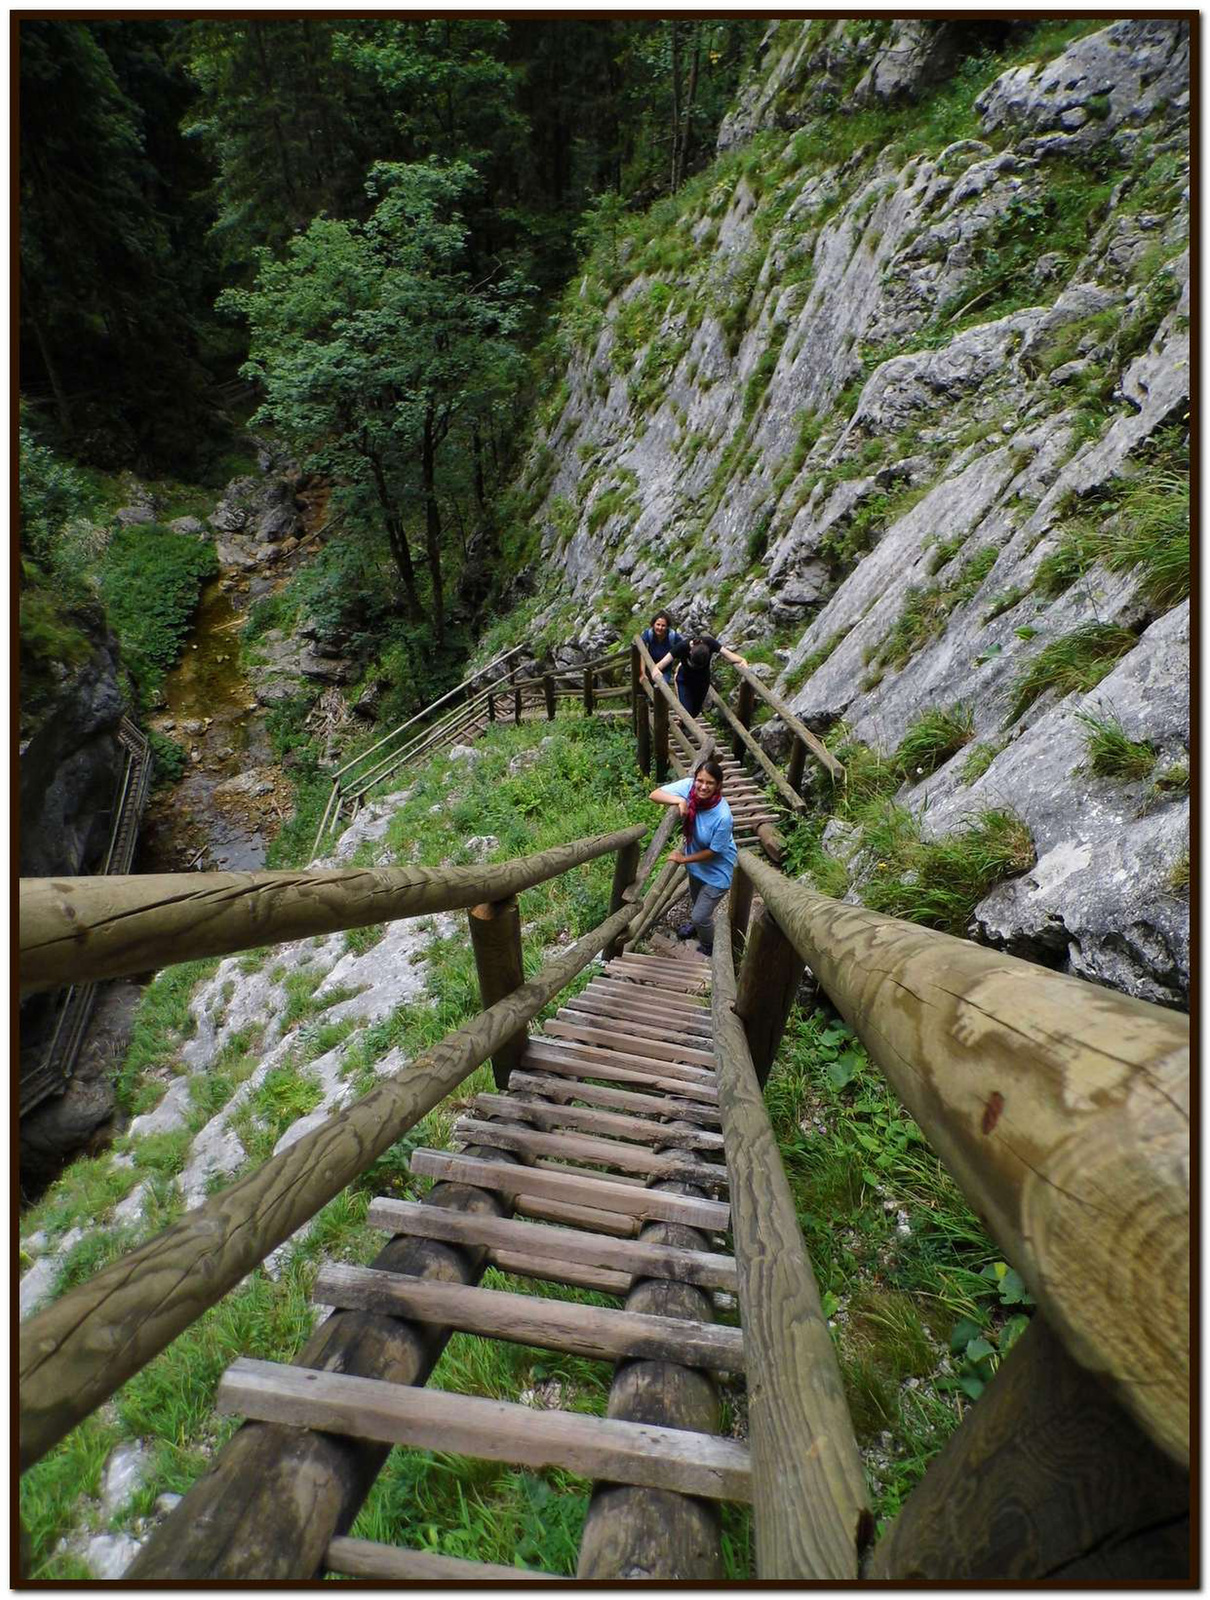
(1061, 1111)
(79, 1350)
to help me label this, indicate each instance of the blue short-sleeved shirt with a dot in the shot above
(659, 651)
(712, 830)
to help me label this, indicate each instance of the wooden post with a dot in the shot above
(548, 689)
(743, 715)
(810, 1511)
(660, 709)
(517, 701)
(642, 724)
(496, 941)
(625, 870)
(1060, 1109)
(741, 909)
(491, 708)
(590, 699)
(768, 982)
(1046, 1476)
(797, 765)
(637, 697)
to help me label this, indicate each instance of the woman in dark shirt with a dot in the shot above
(695, 656)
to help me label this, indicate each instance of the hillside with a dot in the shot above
(895, 396)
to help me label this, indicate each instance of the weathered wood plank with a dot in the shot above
(570, 1060)
(809, 1497)
(596, 1015)
(613, 1223)
(625, 967)
(706, 1268)
(625, 876)
(77, 1351)
(1061, 1110)
(599, 1279)
(362, 1558)
(689, 1005)
(581, 1147)
(596, 1332)
(682, 1023)
(76, 930)
(610, 1123)
(631, 1044)
(1047, 1480)
(653, 1205)
(819, 750)
(597, 1094)
(493, 1430)
(794, 801)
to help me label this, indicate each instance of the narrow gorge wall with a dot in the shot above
(896, 394)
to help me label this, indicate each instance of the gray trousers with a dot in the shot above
(703, 902)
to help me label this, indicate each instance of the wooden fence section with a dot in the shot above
(1060, 1109)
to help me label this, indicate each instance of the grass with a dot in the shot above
(1111, 752)
(1073, 663)
(978, 760)
(810, 664)
(926, 610)
(939, 882)
(933, 738)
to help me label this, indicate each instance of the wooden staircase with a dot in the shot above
(604, 1150)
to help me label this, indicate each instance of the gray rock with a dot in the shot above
(191, 526)
(109, 1554)
(325, 669)
(125, 1471)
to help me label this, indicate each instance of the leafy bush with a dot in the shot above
(151, 579)
(168, 756)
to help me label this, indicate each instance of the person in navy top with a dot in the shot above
(707, 851)
(660, 638)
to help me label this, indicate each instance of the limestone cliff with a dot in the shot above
(898, 390)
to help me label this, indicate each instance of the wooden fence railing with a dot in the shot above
(76, 1352)
(1061, 1111)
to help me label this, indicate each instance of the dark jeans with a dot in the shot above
(692, 697)
(703, 903)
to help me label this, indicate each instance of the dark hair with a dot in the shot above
(699, 654)
(657, 617)
(712, 770)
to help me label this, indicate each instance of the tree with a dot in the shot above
(375, 349)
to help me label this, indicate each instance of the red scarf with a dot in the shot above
(696, 805)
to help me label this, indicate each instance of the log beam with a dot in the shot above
(1059, 1108)
(768, 982)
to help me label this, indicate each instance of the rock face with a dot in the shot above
(889, 413)
(70, 768)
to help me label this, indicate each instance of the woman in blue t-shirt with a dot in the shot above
(708, 850)
(660, 638)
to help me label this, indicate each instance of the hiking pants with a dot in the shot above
(703, 902)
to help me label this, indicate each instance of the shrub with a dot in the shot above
(151, 579)
(1111, 753)
(1076, 661)
(168, 757)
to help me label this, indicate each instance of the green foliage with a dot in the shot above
(1111, 752)
(811, 663)
(762, 372)
(168, 756)
(151, 580)
(161, 1023)
(1073, 662)
(926, 610)
(933, 738)
(939, 882)
(1152, 534)
(978, 760)
(1178, 877)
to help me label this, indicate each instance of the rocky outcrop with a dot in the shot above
(897, 382)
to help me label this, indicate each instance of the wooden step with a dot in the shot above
(584, 1061)
(493, 1430)
(598, 1279)
(596, 1332)
(590, 1150)
(687, 963)
(652, 1205)
(631, 1044)
(688, 1073)
(640, 994)
(608, 1175)
(624, 967)
(559, 1246)
(597, 1094)
(634, 1026)
(655, 1013)
(614, 1223)
(609, 1123)
(363, 1558)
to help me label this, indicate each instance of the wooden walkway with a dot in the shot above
(600, 1167)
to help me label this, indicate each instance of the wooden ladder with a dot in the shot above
(601, 1168)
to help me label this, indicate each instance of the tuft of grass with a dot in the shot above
(933, 738)
(1178, 877)
(1074, 662)
(978, 760)
(939, 882)
(1153, 535)
(812, 663)
(1173, 779)
(1111, 752)
(926, 610)
(162, 1023)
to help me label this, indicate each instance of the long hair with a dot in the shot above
(666, 618)
(712, 770)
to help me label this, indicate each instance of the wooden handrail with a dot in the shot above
(794, 800)
(819, 750)
(1059, 1108)
(88, 928)
(79, 1350)
(701, 741)
(810, 1508)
